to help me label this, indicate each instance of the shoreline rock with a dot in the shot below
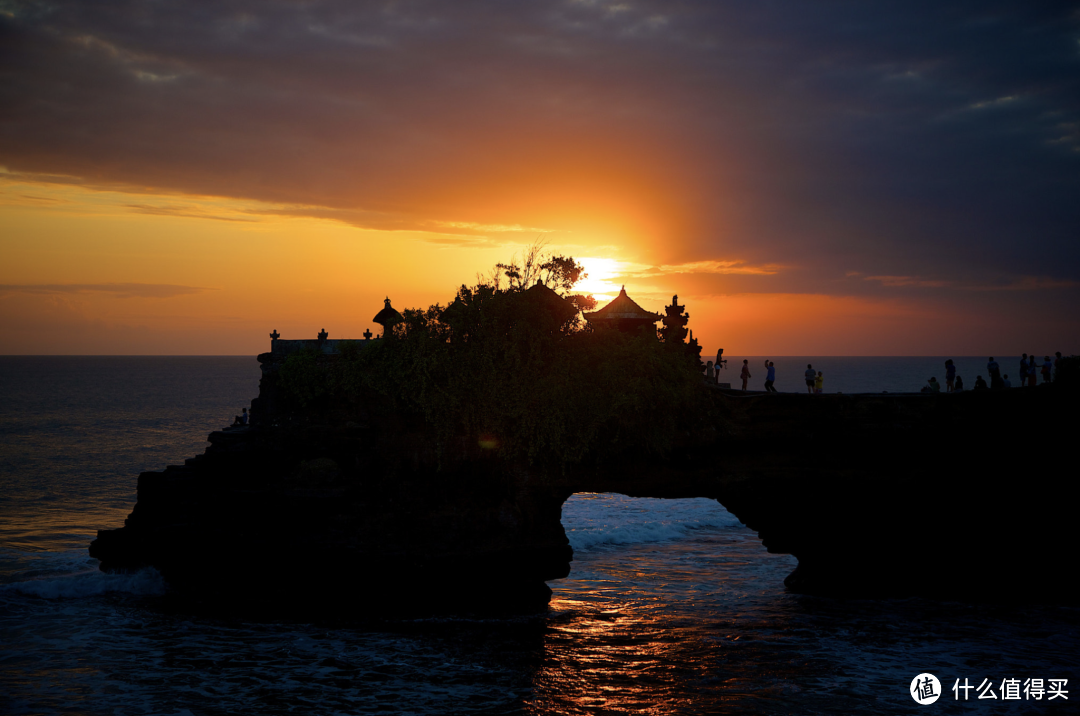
(875, 495)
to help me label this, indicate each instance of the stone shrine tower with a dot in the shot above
(674, 330)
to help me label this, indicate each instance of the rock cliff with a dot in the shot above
(962, 496)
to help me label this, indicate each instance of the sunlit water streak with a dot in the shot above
(672, 606)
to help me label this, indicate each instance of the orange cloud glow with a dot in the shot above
(187, 178)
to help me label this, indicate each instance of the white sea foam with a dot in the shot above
(591, 520)
(88, 584)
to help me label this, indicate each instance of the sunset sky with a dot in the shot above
(827, 178)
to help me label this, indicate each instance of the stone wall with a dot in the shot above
(326, 346)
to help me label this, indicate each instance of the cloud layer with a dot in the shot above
(118, 290)
(918, 144)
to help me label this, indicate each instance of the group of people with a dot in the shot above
(1030, 369)
(815, 380)
(770, 375)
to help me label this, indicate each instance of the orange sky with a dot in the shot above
(174, 183)
(112, 272)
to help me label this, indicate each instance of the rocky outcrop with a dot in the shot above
(968, 495)
(294, 517)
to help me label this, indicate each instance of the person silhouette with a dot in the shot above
(770, 376)
(994, 370)
(745, 375)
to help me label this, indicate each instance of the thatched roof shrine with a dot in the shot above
(388, 316)
(623, 314)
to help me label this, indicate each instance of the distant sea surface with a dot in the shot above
(672, 606)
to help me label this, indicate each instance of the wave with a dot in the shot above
(146, 582)
(69, 575)
(594, 520)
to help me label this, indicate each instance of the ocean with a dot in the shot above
(672, 606)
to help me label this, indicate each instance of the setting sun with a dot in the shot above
(599, 274)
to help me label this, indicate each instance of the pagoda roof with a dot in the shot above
(388, 315)
(622, 307)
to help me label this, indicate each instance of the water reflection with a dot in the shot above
(715, 632)
(665, 628)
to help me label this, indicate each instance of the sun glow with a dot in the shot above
(600, 272)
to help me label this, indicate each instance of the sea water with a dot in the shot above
(672, 606)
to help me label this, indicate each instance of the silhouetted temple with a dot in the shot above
(622, 314)
(674, 330)
(388, 316)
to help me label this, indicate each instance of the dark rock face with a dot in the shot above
(962, 496)
(969, 495)
(257, 519)
(290, 512)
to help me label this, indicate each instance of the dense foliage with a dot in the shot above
(515, 368)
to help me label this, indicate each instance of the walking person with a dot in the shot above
(811, 378)
(745, 373)
(950, 375)
(770, 376)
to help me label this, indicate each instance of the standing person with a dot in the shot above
(745, 372)
(1033, 371)
(770, 376)
(1057, 364)
(950, 375)
(721, 362)
(819, 382)
(710, 375)
(1023, 371)
(811, 377)
(1047, 366)
(995, 373)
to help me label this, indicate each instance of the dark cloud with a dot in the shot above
(896, 139)
(120, 290)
